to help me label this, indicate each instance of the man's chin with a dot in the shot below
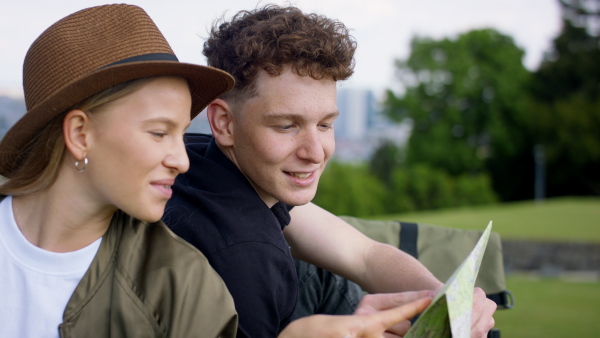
(297, 200)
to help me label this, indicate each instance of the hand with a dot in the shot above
(374, 303)
(481, 318)
(358, 325)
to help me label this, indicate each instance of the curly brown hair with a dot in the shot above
(273, 37)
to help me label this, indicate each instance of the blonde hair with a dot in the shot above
(39, 162)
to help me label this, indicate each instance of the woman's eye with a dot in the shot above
(158, 134)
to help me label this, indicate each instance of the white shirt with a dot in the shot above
(35, 284)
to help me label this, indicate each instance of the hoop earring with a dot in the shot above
(85, 163)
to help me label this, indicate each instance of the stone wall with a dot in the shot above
(550, 257)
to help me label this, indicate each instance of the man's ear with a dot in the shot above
(220, 118)
(76, 125)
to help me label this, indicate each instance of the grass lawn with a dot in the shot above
(550, 307)
(559, 219)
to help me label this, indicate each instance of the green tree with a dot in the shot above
(384, 160)
(422, 187)
(566, 102)
(467, 100)
(347, 189)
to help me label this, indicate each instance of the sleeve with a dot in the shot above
(261, 278)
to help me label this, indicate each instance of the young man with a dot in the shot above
(273, 135)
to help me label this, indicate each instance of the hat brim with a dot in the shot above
(206, 84)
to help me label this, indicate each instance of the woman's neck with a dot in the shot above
(60, 221)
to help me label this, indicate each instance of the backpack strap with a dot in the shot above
(408, 238)
(504, 299)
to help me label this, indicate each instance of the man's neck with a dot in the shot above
(230, 154)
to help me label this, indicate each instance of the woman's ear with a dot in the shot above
(76, 133)
(220, 118)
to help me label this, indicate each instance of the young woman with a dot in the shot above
(86, 175)
(88, 171)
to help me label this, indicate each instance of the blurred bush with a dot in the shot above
(350, 189)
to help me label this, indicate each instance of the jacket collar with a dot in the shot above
(100, 268)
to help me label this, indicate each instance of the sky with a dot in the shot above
(383, 29)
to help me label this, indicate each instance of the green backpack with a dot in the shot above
(442, 250)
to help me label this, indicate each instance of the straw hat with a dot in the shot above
(90, 51)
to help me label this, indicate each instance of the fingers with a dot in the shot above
(383, 301)
(375, 303)
(398, 330)
(365, 326)
(482, 317)
(377, 323)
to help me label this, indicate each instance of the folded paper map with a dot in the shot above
(449, 314)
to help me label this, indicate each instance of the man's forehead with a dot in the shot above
(286, 74)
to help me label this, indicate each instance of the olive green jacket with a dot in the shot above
(146, 282)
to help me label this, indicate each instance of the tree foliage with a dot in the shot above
(566, 100)
(347, 189)
(466, 99)
(384, 160)
(477, 116)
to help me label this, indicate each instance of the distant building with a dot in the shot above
(362, 126)
(356, 106)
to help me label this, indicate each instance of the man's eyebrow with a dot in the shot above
(333, 114)
(293, 116)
